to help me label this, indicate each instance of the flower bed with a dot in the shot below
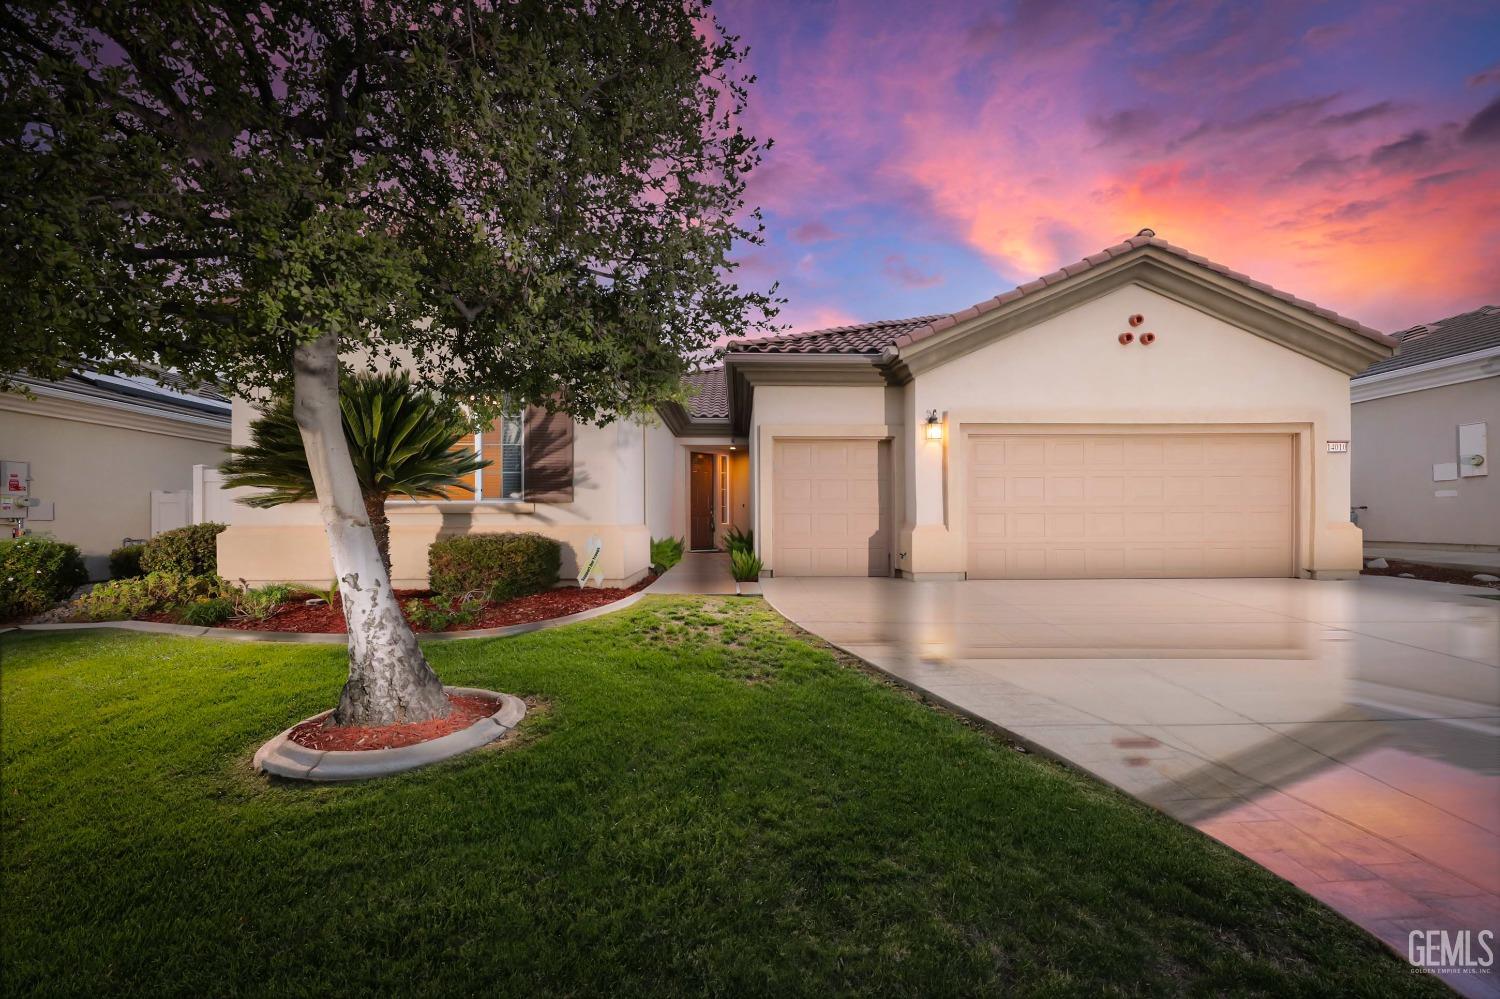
(322, 618)
(1431, 573)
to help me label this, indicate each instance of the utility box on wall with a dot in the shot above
(15, 496)
(1472, 445)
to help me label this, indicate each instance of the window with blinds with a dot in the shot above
(502, 444)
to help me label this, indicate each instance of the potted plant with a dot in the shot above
(745, 565)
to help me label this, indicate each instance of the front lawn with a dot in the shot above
(702, 803)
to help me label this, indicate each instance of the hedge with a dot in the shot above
(500, 566)
(125, 562)
(186, 551)
(36, 573)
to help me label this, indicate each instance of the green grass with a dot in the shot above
(703, 803)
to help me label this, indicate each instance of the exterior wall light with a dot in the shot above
(934, 426)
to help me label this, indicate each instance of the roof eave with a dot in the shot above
(745, 370)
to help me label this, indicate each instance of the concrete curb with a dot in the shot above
(284, 758)
(320, 638)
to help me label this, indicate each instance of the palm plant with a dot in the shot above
(402, 439)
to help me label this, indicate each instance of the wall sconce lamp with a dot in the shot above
(934, 426)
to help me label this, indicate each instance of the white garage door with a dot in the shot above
(1129, 505)
(829, 508)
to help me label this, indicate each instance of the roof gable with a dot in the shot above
(1145, 238)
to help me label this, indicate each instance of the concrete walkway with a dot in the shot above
(1346, 735)
(699, 572)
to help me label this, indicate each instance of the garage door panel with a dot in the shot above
(1123, 505)
(832, 491)
(795, 457)
(829, 517)
(1101, 488)
(831, 457)
(797, 492)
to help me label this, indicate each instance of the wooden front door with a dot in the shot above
(701, 502)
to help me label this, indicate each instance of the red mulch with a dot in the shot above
(1434, 573)
(323, 734)
(329, 619)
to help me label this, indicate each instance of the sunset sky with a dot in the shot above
(931, 155)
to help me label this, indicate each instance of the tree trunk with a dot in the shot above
(381, 528)
(389, 679)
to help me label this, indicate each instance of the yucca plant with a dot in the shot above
(745, 566)
(401, 437)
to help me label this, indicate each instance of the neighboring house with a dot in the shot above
(1422, 470)
(1143, 412)
(105, 458)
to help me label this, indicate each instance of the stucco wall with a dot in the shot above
(1397, 440)
(662, 514)
(1071, 372)
(99, 476)
(287, 542)
(805, 411)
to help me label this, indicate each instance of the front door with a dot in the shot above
(701, 503)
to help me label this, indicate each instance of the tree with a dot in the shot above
(401, 438)
(534, 199)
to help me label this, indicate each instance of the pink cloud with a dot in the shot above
(813, 232)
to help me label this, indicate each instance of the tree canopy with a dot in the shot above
(539, 198)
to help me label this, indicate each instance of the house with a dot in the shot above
(1143, 412)
(1422, 480)
(97, 459)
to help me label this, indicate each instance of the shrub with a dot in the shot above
(744, 565)
(665, 553)
(500, 566)
(206, 612)
(440, 615)
(153, 593)
(739, 541)
(262, 603)
(36, 573)
(187, 551)
(125, 562)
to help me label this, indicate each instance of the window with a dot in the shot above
(724, 489)
(503, 445)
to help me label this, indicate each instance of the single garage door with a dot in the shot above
(829, 506)
(1129, 505)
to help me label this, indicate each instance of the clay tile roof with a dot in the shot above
(1461, 334)
(862, 338)
(709, 394)
(873, 338)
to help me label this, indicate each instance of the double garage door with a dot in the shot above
(1129, 505)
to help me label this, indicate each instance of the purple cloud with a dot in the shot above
(1405, 150)
(899, 269)
(1359, 114)
(1484, 126)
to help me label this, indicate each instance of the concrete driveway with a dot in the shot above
(1346, 735)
